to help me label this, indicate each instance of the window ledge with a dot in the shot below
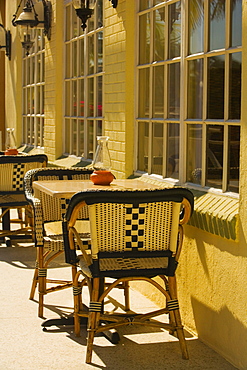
(215, 213)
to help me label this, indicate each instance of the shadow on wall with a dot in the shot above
(222, 331)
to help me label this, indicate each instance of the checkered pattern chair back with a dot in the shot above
(53, 209)
(133, 229)
(14, 168)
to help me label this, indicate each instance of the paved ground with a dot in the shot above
(24, 346)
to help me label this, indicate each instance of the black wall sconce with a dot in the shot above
(84, 9)
(28, 21)
(7, 42)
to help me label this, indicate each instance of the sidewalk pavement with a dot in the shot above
(25, 346)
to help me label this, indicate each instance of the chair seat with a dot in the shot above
(55, 243)
(10, 199)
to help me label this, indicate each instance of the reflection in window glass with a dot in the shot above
(68, 22)
(234, 154)
(144, 40)
(235, 85)
(100, 51)
(174, 29)
(174, 90)
(217, 25)
(144, 92)
(99, 128)
(194, 154)
(196, 25)
(172, 165)
(216, 76)
(158, 143)
(215, 136)
(90, 54)
(236, 35)
(67, 98)
(159, 34)
(143, 137)
(195, 89)
(158, 103)
(68, 72)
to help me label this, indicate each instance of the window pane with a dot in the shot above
(68, 72)
(81, 137)
(159, 34)
(99, 128)
(195, 89)
(81, 64)
(100, 13)
(81, 98)
(74, 137)
(74, 58)
(143, 137)
(68, 22)
(67, 98)
(100, 51)
(235, 85)
(216, 75)
(144, 92)
(75, 102)
(174, 90)
(236, 36)
(144, 39)
(217, 25)
(144, 4)
(172, 164)
(174, 29)
(90, 107)
(158, 101)
(90, 54)
(215, 136)
(90, 139)
(234, 154)
(196, 25)
(157, 156)
(99, 96)
(194, 154)
(67, 136)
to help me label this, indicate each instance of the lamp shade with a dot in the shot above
(27, 18)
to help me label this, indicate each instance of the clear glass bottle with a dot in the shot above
(102, 160)
(10, 143)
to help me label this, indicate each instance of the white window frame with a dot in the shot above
(183, 121)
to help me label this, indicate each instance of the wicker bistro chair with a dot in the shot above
(12, 195)
(135, 235)
(48, 214)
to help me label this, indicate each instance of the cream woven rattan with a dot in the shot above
(135, 235)
(48, 214)
(12, 196)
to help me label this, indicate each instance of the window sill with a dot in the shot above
(215, 213)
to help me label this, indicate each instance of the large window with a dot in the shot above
(83, 82)
(33, 93)
(189, 91)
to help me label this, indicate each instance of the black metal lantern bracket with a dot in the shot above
(35, 22)
(7, 45)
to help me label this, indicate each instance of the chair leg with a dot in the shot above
(93, 319)
(42, 272)
(34, 282)
(126, 295)
(177, 317)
